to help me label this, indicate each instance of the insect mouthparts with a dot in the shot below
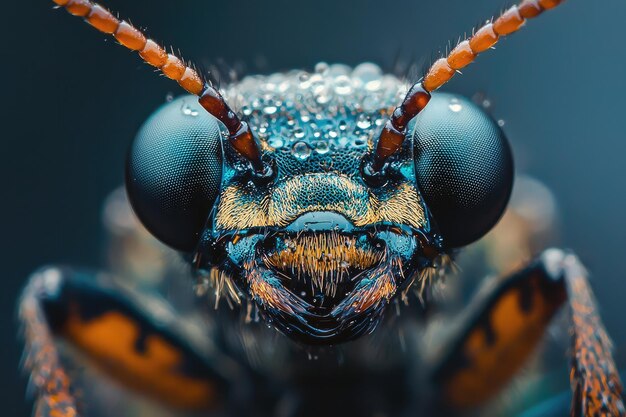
(320, 265)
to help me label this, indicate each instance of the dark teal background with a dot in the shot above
(72, 101)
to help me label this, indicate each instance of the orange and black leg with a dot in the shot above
(504, 327)
(141, 344)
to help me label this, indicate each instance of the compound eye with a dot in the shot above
(174, 170)
(464, 167)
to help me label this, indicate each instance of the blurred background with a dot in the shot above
(75, 100)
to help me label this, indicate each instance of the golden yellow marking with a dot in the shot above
(110, 340)
(239, 209)
(491, 366)
(384, 289)
(268, 295)
(326, 257)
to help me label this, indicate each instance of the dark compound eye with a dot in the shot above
(174, 170)
(464, 167)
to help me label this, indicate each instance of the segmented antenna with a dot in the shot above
(241, 137)
(442, 70)
(132, 38)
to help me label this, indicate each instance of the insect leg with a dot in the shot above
(557, 406)
(47, 375)
(504, 327)
(140, 343)
(595, 382)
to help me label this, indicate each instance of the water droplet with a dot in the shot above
(321, 147)
(367, 72)
(317, 83)
(321, 67)
(455, 106)
(343, 85)
(246, 110)
(301, 150)
(270, 109)
(187, 110)
(343, 125)
(323, 97)
(363, 122)
(370, 103)
(286, 132)
(298, 133)
(373, 85)
(336, 70)
(276, 142)
(305, 81)
(169, 97)
(501, 123)
(359, 142)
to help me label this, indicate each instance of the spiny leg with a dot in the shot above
(596, 384)
(556, 406)
(47, 375)
(503, 329)
(140, 344)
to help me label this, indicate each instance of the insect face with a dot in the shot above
(319, 245)
(314, 199)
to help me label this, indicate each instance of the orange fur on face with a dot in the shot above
(272, 296)
(326, 257)
(382, 291)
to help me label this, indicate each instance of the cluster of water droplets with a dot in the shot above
(305, 113)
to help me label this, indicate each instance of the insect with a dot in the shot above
(312, 209)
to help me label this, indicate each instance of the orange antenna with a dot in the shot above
(241, 137)
(442, 70)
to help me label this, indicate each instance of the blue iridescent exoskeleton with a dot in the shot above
(318, 246)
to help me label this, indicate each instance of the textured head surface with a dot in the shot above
(317, 127)
(317, 249)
